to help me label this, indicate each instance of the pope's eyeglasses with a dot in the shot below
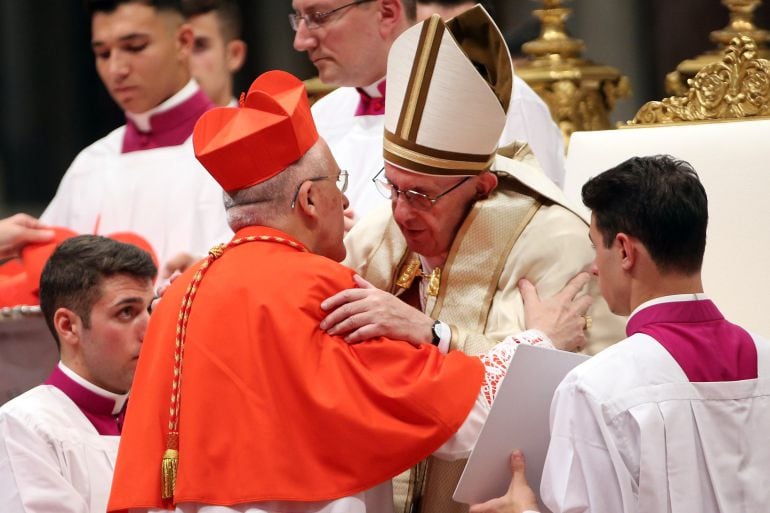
(417, 200)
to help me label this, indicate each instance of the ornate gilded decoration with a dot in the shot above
(434, 282)
(736, 87)
(412, 270)
(409, 273)
(741, 24)
(580, 93)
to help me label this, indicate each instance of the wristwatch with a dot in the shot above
(441, 332)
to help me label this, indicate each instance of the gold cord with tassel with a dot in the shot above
(169, 467)
(170, 463)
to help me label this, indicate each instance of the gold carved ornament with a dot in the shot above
(741, 13)
(579, 93)
(737, 87)
(414, 269)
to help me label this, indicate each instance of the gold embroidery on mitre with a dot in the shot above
(432, 30)
(435, 162)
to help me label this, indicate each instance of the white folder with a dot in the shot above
(519, 419)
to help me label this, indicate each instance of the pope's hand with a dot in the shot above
(560, 317)
(368, 312)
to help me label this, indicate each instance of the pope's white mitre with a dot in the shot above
(449, 85)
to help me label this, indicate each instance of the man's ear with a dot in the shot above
(235, 54)
(391, 14)
(185, 40)
(69, 327)
(485, 184)
(628, 252)
(307, 199)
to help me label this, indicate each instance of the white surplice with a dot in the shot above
(163, 194)
(356, 141)
(52, 459)
(631, 434)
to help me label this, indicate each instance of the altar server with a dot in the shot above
(675, 417)
(142, 176)
(58, 441)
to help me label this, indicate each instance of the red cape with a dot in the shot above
(273, 408)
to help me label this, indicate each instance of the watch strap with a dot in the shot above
(435, 331)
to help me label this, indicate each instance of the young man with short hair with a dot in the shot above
(59, 441)
(143, 177)
(675, 417)
(218, 51)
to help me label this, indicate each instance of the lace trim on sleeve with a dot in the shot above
(497, 359)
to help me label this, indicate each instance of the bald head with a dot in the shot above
(270, 201)
(302, 201)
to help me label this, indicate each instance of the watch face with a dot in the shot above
(440, 332)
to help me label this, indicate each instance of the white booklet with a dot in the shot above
(519, 419)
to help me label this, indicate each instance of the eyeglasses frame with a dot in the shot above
(319, 18)
(344, 174)
(408, 192)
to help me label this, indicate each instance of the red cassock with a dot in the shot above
(272, 407)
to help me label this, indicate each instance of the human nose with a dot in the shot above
(142, 321)
(345, 201)
(594, 270)
(118, 64)
(400, 206)
(304, 40)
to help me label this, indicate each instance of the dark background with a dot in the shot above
(52, 103)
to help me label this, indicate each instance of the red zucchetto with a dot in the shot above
(271, 129)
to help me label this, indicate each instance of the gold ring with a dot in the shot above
(588, 322)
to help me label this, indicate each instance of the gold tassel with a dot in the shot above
(169, 466)
(168, 473)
